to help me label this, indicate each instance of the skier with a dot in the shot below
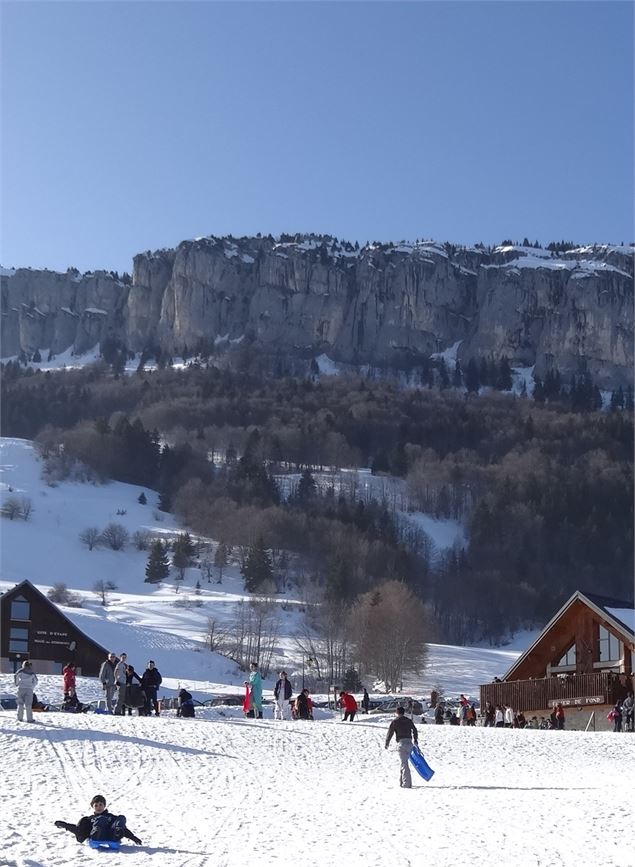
(150, 682)
(26, 680)
(255, 689)
(102, 825)
(405, 733)
(282, 693)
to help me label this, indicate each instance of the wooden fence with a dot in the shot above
(576, 690)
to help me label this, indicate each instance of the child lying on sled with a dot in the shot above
(101, 826)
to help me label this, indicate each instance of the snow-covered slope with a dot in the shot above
(218, 791)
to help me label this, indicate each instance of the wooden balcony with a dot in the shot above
(575, 690)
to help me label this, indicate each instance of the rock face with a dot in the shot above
(309, 295)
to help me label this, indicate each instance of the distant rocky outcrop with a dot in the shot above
(307, 295)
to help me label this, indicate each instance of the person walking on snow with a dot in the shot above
(349, 703)
(405, 733)
(107, 678)
(282, 693)
(255, 690)
(26, 680)
(120, 683)
(102, 825)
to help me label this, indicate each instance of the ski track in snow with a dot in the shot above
(224, 791)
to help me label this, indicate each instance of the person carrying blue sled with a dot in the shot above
(405, 733)
(102, 829)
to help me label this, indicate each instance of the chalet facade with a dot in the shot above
(32, 627)
(583, 658)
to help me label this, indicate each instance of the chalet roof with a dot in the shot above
(618, 612)
(15, 591)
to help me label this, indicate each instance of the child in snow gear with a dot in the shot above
(68, 678)
(150, 682)
(186, 704)
(282, 693)
(303, 707)
(26, 680)
(405, 733)
(102, 825)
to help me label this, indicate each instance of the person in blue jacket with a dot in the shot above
(255, 689)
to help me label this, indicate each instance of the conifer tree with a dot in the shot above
(258, 568)
(220, 560)
(157, 567)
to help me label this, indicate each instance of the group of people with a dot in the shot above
(622, 714)
(118, 676)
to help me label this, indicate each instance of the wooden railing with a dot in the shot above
(574, 690)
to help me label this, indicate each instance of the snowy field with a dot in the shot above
(220, 790)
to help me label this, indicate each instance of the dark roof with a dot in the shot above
(60, 614)
(606, 602)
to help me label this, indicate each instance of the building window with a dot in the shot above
(568, 658)
(610, 646)
(19, 632)
(18, 646)
(20, 609)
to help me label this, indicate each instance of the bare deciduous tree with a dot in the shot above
(90, 537)
(102, 589)
(216, 635)
(141, 539)
(60, 594)
(115, 536)
(12, 508)
(26, 507)
(390, 626)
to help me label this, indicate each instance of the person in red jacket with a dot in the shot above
(348, 702)
(68, 674)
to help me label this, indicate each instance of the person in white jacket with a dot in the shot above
(26, 681)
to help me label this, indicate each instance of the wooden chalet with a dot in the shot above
(583, 658)
(32, 627)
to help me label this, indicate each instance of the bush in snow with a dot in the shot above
(60, 594)
(90, 537)
(115, 536)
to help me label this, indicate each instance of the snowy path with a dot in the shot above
(225, 791)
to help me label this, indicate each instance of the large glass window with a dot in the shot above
(19, 632)
(610, 646)
(568, 658)
(20, 609)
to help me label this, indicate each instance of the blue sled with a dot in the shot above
(420, 765)
(104, 844)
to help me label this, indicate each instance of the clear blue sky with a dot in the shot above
(129, 126)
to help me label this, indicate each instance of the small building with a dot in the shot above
(32, 627)
(583, 658)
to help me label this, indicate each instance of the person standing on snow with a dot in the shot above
(102, 825)
(68, 675)
(349, 703)
(255, 690)
(150, 683)
(107, 678)
(405, 732)
(282, 693)
(120, 683)
(366, 701)
(26, 680)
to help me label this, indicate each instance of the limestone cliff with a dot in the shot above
(313, 294)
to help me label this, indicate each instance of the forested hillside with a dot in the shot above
(545, 494)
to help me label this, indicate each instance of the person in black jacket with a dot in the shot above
(186, 704)
(132, 699)
(405, 733)
(150, 682)
(102, 825)
(282, 693)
